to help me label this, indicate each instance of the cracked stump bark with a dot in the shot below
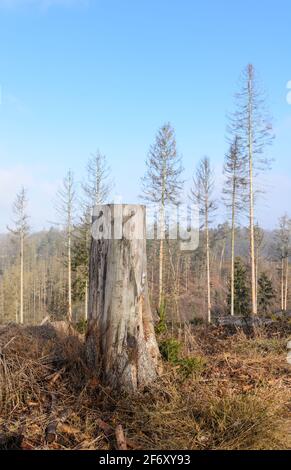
(121, 342)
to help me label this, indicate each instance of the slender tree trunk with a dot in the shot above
(86, 300)
(175, 273)
(21, 276)
(221, 258)
(232, 254)
(186, 273)
(251, 198)
(87, 240)
(162, 236)
(286, 284)
(161, 256)
(208, 266)
(69, 277)
(152, 280)
(2, 300)
(282, 284)
(256, 272)
(44, 294)
(161, 262)
(178, 268)
(34, 310)
(121, 343)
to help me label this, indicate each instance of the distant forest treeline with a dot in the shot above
(46, 285)
(235, 270)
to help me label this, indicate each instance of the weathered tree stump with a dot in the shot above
(121, 339)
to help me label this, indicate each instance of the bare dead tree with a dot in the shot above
(234, 197)
(66, 208)
(283, 239)
(20, 230)
(259, 240)
(98, 183)
(162, 184)
(202, 194)
(252, 124)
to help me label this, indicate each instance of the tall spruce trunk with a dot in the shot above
(86, 301)
(232, 258)
(162, 236)
(256, 272)
(161, 277)
(286, 284)
(121, 342)
(69, 277)
(251, 199)
(222, 258)
(282, 284)
(21, 317)
(207, 264)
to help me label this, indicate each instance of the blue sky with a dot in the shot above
(77, 75)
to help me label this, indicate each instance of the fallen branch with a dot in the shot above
(51, 429)
(109, 431)
(7, 344)
(120, 438)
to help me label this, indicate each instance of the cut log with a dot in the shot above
(121, 340)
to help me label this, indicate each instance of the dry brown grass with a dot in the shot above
(241, 399)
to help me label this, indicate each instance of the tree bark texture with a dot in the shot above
(121, 339)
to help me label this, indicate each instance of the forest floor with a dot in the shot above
(220, 389)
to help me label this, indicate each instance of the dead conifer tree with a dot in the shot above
(252, 124)
(66, 208)
(202, 194)
(234, 198)
(162, 185)
(98, 184)
(259, 240)
(21, 230)
(283, 237)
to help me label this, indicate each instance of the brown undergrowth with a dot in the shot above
(235, 393)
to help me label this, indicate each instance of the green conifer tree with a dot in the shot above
(242, 304)
(266, 293)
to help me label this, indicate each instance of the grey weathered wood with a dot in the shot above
(121, 339)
